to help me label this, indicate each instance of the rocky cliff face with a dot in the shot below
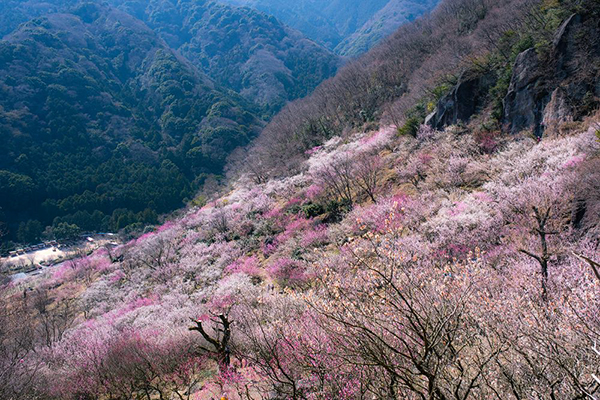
(463, 101)
(545, 93)
(545, 90)
(527, 94)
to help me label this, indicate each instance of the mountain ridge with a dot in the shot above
(242, 49)
(347, 28)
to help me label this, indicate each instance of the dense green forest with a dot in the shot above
(103, 126)
(15, 12)
(348, 27)
(240, 48)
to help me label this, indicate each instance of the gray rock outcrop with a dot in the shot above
(547, 93)
(526, 99)
(463, 101)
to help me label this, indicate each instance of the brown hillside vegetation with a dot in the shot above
(400, 80)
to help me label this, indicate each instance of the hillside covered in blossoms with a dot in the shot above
(425, 225)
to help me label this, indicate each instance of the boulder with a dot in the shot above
(566, 46)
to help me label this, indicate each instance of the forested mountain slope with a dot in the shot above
(97, 114)
(15, 12)
(89, 115)
(241, 49)
(384, 22)
(349, 27)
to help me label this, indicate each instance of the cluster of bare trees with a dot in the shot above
(347, 177)
(388, 325)
(17, 341)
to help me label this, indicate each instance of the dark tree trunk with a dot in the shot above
(221, 342)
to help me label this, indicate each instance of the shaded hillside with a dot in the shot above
(15, 12)
(98, 114)
(241, 49)
(349, 27)
(394, 14)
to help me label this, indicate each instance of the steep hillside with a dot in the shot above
(473, 62)
(392, 267)
(242, 49)
(15, 12)
(384, 22)
(349, 27)
(426, 225)
(97, 114)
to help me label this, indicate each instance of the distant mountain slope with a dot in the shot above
(338, 24)
(328, 22)
(98, 114)
(242, 49)
(15, 12)
(384, 22)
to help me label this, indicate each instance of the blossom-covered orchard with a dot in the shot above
(389, 267)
